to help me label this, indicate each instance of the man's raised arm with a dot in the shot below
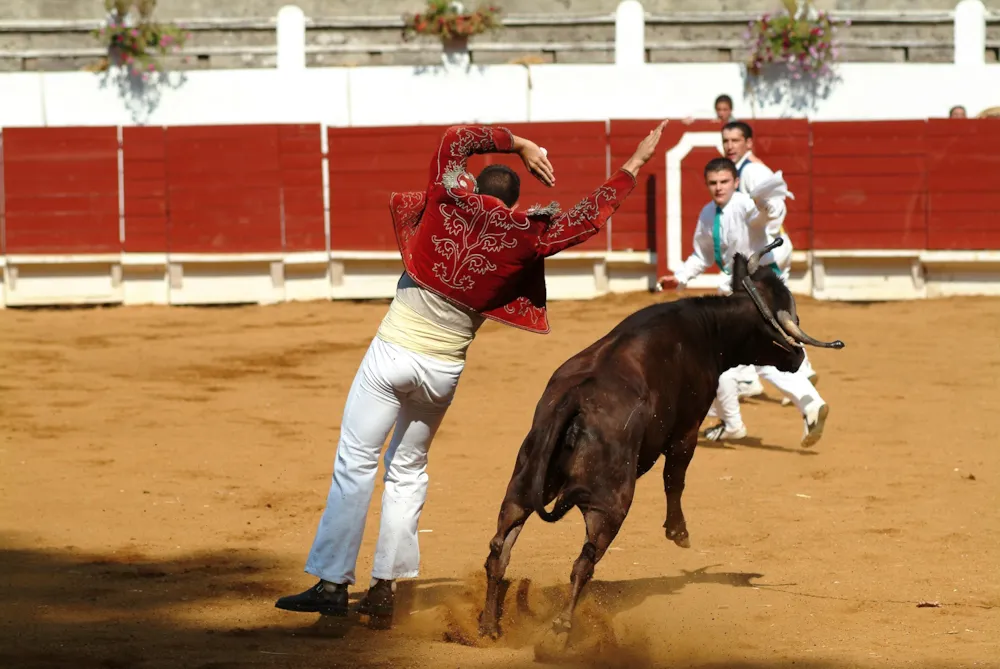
(459, 142)
(590, 214)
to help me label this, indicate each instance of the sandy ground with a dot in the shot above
(163, 470)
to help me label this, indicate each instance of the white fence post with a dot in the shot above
(970, 33)
(630, 33)
(291, 38)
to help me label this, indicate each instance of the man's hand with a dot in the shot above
(645, 150)
(535, 160)
(668, 281)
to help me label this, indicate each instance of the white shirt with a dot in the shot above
(741, 227)
(752, 175)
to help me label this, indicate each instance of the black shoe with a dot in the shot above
(377, 604)
(317, 599)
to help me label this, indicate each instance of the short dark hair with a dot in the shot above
(724, 98)
(501, 182)
(721, 164)
(741, 126)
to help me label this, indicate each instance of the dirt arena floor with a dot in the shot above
(163, 470)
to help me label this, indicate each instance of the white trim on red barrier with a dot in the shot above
(224, 257)
(936, 257)
(867, 253)
(62, 259)
(674, 157)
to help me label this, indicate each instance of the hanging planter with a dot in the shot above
(799, 42)
(449, 22)
(134, 40)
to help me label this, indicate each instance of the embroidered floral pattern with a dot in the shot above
(522, 307)
(467, 236)
(466, 141)
(474, 231)
(587, 210)
(406, 210)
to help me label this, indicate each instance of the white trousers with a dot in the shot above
(796, 386)
(392, 386)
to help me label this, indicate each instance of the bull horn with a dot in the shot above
(765, 311)
(788, 325)
(754, 262)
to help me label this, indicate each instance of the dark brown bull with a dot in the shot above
(640, 391)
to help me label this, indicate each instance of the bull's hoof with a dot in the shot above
(679, 536)
(488, 628)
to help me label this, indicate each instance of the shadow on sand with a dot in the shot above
(214, 610)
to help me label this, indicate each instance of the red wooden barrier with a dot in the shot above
(784, 145)
(239, 189)
(578, 153)
(640, 221)
(61, 190)
(366, 166)
(223, 189)
(144, 160)
(301, 155)
(869, 185)
(963, 166)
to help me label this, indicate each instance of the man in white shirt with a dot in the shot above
(737, 144)
(734, 223)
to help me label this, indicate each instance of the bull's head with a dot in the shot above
(773, 300)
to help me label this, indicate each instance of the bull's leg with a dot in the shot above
(675, 465)
(602, 527)
(512, 518)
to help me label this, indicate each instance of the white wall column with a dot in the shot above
(630, 33)
(291, 38)
(970, 33)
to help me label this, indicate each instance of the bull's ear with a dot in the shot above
(739, 271)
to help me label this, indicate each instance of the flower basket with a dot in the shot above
(134, 40)
(799, 39)
(448, 20)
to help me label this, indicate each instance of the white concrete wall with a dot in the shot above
(502, 93)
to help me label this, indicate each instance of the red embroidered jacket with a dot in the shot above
(473, 250)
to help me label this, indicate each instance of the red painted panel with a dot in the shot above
(224, 189)
(301, 164)
(3, 199)
(578, 153)
(854, 130)
(963, 162)
(61, 190)
(869, 183)
(145, 180)
(643, 214)
(366, 165)
(868, 239)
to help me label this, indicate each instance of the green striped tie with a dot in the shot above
(717, 238)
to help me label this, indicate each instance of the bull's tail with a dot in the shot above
(546, 441)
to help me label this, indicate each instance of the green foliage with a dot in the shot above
(807, 46)
(134, 39)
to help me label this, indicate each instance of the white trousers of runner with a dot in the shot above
(398, 387)
(796, 386)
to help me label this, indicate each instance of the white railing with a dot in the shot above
(969, 19)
